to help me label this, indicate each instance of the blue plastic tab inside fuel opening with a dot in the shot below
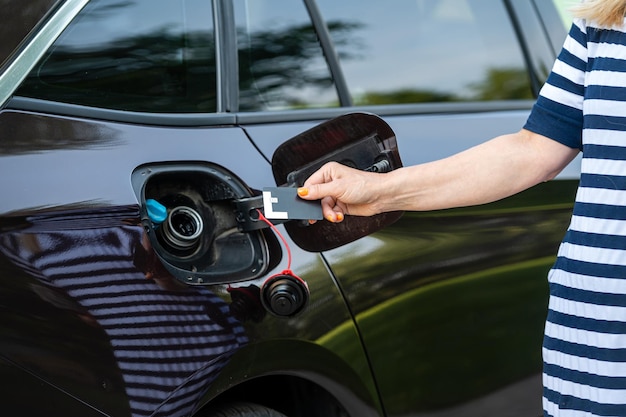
(157, 212)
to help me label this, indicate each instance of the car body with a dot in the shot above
(111, 111)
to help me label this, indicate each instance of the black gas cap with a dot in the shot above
(284, 295)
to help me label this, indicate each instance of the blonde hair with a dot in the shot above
(605, 13)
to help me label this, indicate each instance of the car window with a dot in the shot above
(412, 51)
(281, 63)
(141, 55)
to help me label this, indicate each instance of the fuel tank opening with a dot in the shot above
(189, 213)
(181, 231)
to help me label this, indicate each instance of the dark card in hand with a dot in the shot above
(283, 203)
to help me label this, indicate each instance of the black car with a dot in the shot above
(142, 144)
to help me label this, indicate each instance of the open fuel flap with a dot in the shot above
(188, 212)
(204, 224)
(359, 140)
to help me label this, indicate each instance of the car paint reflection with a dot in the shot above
(168, 340)
(450, 304)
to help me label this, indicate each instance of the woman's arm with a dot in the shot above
(490, 171)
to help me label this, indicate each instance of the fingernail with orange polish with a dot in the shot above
(339, 217)
(303, 192)
(330, 218)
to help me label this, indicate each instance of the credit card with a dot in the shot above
(283, 203)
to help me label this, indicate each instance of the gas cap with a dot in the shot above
(284, 295)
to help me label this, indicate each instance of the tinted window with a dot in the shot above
(281, 64)
(141, 55)
(410, 51)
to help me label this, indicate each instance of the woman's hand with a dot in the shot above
(343, 191)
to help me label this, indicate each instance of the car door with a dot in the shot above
(449, 304)
(116, 151)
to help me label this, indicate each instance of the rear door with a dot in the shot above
(450, 304)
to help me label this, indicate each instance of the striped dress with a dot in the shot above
(583, 105)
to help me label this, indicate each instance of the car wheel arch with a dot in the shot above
(289, 375)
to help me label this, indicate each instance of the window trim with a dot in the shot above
(124, 116)
(330, 53)
(261, 117)
(28, 57)
(537, 60)
(415, 109)
(226, 59)
(551, 22)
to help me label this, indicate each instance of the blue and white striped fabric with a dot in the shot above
(583, 105)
